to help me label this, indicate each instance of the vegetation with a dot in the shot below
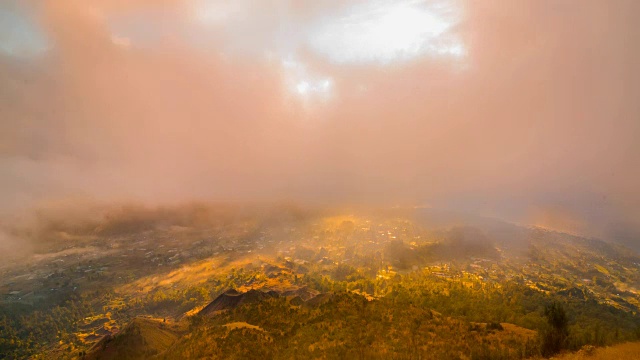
(142, 338)
(554, 336)
(381, 285)
(627, 351)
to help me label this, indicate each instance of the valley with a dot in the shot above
(287, 282)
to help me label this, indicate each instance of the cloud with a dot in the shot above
(542, 112)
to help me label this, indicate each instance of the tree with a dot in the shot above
(554, 337)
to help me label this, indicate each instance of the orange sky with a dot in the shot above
(518, 109)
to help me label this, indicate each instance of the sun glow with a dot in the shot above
(381, 32)
(387, 31)
(305, 87)
(303, 81)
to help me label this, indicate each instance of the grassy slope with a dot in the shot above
(626, 351)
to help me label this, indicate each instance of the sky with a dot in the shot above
(523, 110)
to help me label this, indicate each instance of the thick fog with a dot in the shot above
(523, 110)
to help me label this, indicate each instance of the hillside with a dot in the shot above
(376, 329)
(141, 338)
(627, 351)
(231, 299)
(315, 283)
